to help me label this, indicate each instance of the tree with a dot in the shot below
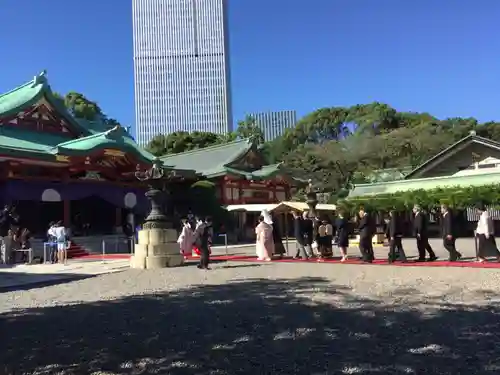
(81, 107)
(248, 128)
(177, 142)
(330, 165)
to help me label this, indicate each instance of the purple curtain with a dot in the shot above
(23, 190)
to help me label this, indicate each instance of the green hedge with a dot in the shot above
(456, 197)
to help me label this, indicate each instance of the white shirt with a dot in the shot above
(485, 224)
(50, 232)
(60, 233)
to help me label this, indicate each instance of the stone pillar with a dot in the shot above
(156, 248)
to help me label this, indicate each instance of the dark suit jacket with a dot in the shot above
(395, 227)
(421, 225)
(448, 225)
(365, 227)
(298, 229)
(342, 225)
(308, 230)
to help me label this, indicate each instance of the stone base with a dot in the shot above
(157, 248)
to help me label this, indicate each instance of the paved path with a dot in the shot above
(25, 275)
(464, 245)
(248, 318)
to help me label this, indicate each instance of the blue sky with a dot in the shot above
(438, 56)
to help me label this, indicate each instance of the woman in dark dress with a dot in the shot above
(342, 225)
(279, 249)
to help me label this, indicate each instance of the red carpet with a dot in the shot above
(378, 262)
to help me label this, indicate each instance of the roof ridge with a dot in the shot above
(219, 145)
(37, 80)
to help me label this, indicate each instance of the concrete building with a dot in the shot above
(181, 67)
(273, 124)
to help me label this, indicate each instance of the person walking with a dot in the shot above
(421, 233)
(308, 233)
(448, 232)
(395, 237)
(264, 244)
(279, 249)
(487, 246)
(203, 239)
(186, 239)
(342, 225)
(366, 231)
(298, 232)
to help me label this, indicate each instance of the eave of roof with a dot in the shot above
(113, 138)
(26, 95)
(210, 161)
(399, 186)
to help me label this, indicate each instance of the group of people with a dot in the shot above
(58, 239)
(196, 236)
(315, 237)
(449, 232)
(14, 237)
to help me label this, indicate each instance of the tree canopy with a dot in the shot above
(338, 146)
(83, 108)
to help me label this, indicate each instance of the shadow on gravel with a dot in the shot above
(19, 281)
(301, 326)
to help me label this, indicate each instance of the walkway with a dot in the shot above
(24, 275)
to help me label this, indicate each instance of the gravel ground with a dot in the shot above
(257, 319)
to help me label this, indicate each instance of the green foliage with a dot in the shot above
(376, 136)
(339, 146)
(248, 128)
(456, 197)
(83, 108)
(176, 142)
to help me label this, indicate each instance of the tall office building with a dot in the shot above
(273, 124)
(181, 67)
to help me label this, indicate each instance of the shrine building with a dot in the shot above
(56, 167)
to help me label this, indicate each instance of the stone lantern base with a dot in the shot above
(156, 248)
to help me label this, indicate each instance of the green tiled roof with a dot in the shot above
(94, 134)
(209, 161)
(424, 184)
(26, 143)
(114, 138)
(215, 161)
(26, 95)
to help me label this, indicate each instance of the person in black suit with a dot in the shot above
(298, 232)
(394, 234)
(421, 233)
(279, 249)
(448, 232)
(342, 225)
(366, 231)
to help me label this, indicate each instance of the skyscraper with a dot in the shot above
(273, 124)
(181, 67)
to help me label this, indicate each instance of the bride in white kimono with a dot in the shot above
(186, 239)
(264, 237)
